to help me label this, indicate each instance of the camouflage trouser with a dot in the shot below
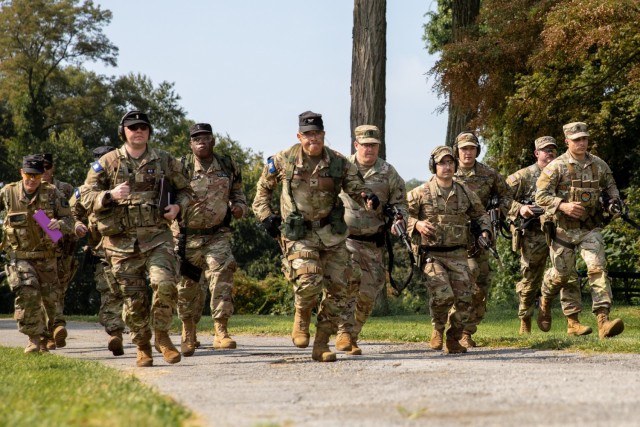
(451, 289)
(563, 278)
(67, 267)
(130, 271)
(216, 260)
(533, 259)
(482, 274)
(111, 300)
(315, 267)
(35, 285)
(367, 280)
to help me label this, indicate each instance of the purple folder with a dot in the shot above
(43, 221)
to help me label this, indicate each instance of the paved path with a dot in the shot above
(267, 381)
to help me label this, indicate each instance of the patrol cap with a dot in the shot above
(575, 130)
(310, 121)
(367, 134)
(101, 151)
(465, 139)
(199, 128)
(440, 152)
(48, 158)
(33, 163)
(545, 141)
(134, 117)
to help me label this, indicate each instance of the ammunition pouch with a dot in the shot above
(291, 274)
(109, 222)
(516, 238)
(293, 227)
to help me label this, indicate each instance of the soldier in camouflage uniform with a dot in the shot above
(217, 183)
(31, 253)
(530, 241)
(439, 212)
(127, 194)
(569, 189)
(367, 233)
(485, 182)
(315, 257)
(67, 261)
(111, 300)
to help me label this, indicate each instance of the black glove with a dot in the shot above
(375, 201)
(616, 206)
(272, 225)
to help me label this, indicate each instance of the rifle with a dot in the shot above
(498, 226)
(187, 269)
(617, 208)
(537, 213)
(484, 243)
(395, 223)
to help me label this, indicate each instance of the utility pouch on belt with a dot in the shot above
(549, 228)
(516, 239)
(109, 222)
(338, 226)
(293, 226)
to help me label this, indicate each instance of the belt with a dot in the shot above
(424, 248)
(34, 254)
(203, 231)
(377, 238)
(312, 225)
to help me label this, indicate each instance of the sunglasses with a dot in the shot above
(34, 176)
(206, 138)
(138, 126)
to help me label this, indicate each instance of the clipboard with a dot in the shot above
(43, 221)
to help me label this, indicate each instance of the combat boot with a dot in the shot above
(544, 314)
(343, 341)
(60, 336)
(115, 343)
(321, 352)
(436, 339)
(575, 328)
(466, 341)
(51, 344)
(188, 344)
(43, 345)
(222, 340)
(169, 352)
(34, 344)
(452, 345)
(300, 332)
(608, 328)
(525, 325)
(143, 356)
(355, 350)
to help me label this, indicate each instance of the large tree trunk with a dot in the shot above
(368, 66)
(463, 18)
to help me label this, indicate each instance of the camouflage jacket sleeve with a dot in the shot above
(546, 196)
(63, 213)
(236, 195)
(97, 184)
(180, 182)
(78, 211)
(477, 212)
(352, 182)
(272, 174)
(503, 191)
(398, 193)
(414, 207)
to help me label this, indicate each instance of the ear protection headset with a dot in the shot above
(455, 145)
(121, 125)
(432, 164)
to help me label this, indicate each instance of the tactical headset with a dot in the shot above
(455, 145)
(432, 164)
(121, 125)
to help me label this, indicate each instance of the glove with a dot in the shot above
(616, 206)
(375, 201)
(272, 225)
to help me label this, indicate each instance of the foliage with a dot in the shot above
(437, 30)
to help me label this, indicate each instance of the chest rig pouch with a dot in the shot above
(586, 193)
(450, 229)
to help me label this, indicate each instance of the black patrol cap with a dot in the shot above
(199, 128)
(48, 158)
(134, 117)
(310, 121)
(101, 151)
(33, 163)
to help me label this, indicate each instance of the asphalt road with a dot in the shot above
(267, 381)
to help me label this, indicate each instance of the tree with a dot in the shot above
(368, 67)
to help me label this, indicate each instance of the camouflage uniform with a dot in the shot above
(443, 257)
(217, 188)
(319, 260)
(136, 236)
(484, 182)
(366, 241)
(32, 268)
(533, 248)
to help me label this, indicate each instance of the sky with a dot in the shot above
(250, 67)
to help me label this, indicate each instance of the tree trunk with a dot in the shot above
(368, 67)
(463, 19)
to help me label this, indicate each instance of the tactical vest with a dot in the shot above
(450, 229)
(586, 193)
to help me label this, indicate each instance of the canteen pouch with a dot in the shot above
(293, 227)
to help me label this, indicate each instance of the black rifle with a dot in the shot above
(498, 225)
(537, 213)
(482, 242)
(187, 269)
(617, 208)
(395, 222)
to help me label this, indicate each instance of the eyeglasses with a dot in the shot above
(204, 138)
(449, 163)
(138, 126)
(33, 176)
(549, 150)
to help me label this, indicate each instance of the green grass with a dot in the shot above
(49, 390)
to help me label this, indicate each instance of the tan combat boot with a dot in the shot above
(143, 356)
(608, 328)
(575, 328)
(343, 341)
(60, 336)
(43, 345)
(452, 345)
(34, 344)
(115, 343)
(436, 339)
(544, 314)
(466, 341)
(525, 326)
(188, 344)
(51, 344)
(300, 331)
(222, 340)
(168, 350)
(321, 351)
(355, 350)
